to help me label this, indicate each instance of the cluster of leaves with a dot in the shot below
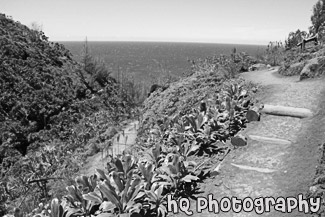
(128, 188)
(204, 130)
(50, 106)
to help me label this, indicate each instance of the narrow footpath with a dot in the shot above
(121, 141)
(282, 150)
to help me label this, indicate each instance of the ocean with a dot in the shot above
(146, 60)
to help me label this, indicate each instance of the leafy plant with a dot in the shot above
(177, 178)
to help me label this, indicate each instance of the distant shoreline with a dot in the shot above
(163, 42)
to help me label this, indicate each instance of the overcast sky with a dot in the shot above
(218, 21)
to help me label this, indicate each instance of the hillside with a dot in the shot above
(53, 112)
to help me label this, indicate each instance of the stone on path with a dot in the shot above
(287, 111)
(257, 169)
(239, 140)
(270, 140)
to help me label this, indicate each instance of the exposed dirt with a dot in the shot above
(293, 164)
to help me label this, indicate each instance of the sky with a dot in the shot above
(210, 21)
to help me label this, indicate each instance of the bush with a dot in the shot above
(274, 54)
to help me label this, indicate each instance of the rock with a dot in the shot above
(287, 111)
(293, 69)
(312, 68)
(313, 189)
(296, 68)
(257, 67)
(253, 115)
(239, 141)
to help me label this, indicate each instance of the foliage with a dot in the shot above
(200, 131)
(51, 109)
(294, 38)
(274, 53)
(318, 18)
(125, 188)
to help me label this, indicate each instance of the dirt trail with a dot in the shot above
(265, 169)
(121, 141)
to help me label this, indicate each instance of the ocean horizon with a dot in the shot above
(143, 59)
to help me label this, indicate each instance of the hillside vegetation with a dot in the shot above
(53, 112)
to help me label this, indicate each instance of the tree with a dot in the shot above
(294, 38)
(318, 16)
(274, 53)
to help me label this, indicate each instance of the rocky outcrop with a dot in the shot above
(308, 66)
(313, 67)
(258, 66)
(293, 69)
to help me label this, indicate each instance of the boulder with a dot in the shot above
(239, 140)
(313, 67)
(253, 115)
(257, 67)
(294, 69)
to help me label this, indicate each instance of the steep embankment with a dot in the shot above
(282, 151)
(35, 83)
(53, 112)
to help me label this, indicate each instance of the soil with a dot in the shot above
(269, 169)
